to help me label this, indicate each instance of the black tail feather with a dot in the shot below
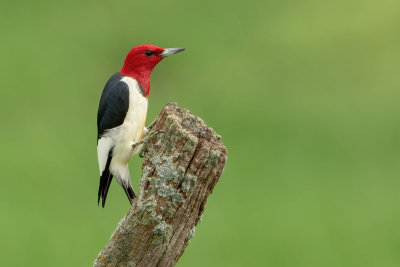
(105, 181)
(129, 193)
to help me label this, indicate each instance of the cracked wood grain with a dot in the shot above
(183, 160)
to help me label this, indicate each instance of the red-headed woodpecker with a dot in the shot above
(122, 115)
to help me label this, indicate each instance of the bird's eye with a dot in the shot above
(148, 53)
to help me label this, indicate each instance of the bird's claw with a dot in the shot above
(144, 140)
(151, 125)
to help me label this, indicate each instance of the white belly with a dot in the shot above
(132, 128)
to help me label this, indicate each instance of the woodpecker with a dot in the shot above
(122, 115)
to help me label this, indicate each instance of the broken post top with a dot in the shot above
(183, 160)
(173, 115)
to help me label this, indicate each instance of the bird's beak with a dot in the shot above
(170, 51)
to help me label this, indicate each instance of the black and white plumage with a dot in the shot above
(122, 115)
(120, 122)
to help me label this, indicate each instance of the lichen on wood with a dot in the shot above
(183, 160)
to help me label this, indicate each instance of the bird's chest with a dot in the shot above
(136, 116)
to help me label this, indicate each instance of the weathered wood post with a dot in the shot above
(183, 161)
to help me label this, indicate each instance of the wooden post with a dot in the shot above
(183, 160)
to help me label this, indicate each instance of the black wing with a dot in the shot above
(114, 104)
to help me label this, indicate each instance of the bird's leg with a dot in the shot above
(143, 141)
(146, 132)
(148, 129)
(146, 136)
(140, 151)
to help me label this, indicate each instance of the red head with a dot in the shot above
(142, 59)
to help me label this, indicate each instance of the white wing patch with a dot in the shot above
(104, 146)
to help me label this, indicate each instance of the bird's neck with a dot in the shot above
(142, 77)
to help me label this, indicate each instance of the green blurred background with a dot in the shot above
(305, 95)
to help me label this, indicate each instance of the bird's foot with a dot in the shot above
(144, 140)
(148, 129)
(141, 153)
